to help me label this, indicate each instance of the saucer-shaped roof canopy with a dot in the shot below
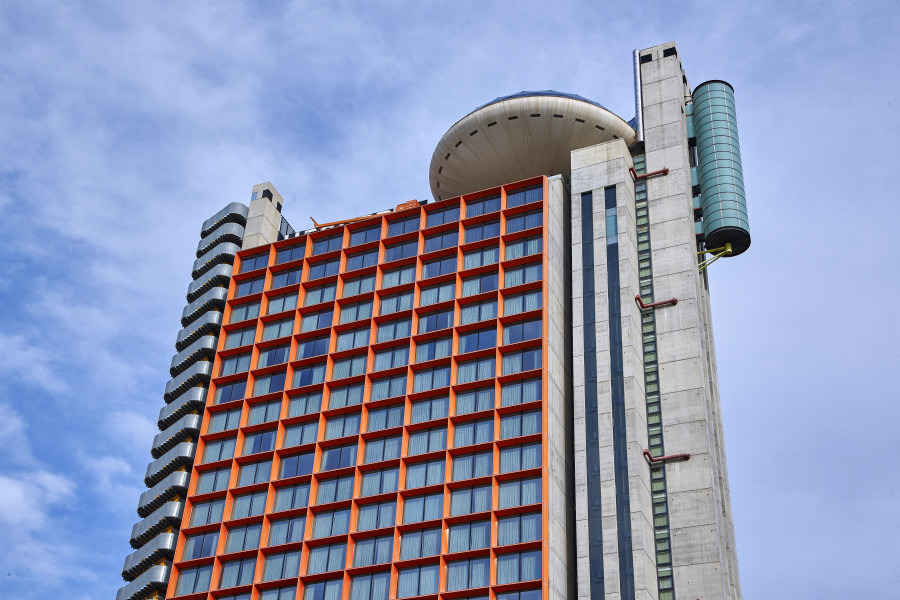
(517, 137)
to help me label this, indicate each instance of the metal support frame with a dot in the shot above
(717, 254)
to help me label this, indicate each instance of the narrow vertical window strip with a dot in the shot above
(592, 435)
(617, 381)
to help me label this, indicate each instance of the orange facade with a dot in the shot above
(397, 359)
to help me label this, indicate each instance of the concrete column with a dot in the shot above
(264, 216)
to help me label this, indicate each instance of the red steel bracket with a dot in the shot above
(669, 302)
(663, 171)
(661, 459)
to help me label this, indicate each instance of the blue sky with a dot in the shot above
(125, 126)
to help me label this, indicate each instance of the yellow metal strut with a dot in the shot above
(717, 253)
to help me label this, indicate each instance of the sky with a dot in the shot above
(124, 125)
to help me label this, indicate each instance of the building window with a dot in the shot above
(262, 441)
(243, 538)
(398, 277)
(439, 241)
(349, 367)
(277, 329)
(518, 303)
(396, 303)
(325, 268)
(323, 559)
(480, 311)
(518, 529)
(331, 522)
(192, 581)
(519, 492)
(385, 418)
(476, 208)
(282, 303)
(481, 257)
(314, 347)
(329, 244)
(318, 295)
(476, 370)
(401, 250)
(467, 501)
(199, 546)
(522, 331)
(393, 330)
(420, 543)
(525, 221)
(428, 410)
(526, 360)
(235, 364)
(475, 401)
(218, 450)
(379, 449)
(482, 231)
(437, 293)
(430, 379)
(440, 266)
(289, 277)
(480, 284)
(224, 420)
(362, 260)
(342, 426)
(204, 513)
(465, 574)
(429, 472)
(282, 593)
(356, 312)
(473, 432)
(230, 391)
(256, 472)
(296, 465)
(524, 247)
(442, 217)
(376, 516)
(388, 387)
(518, 458)
(392, 357)
(338, 456)
(305, 404)
(519, 424)
(434, 321)
(427, 440)
(336, 489)
(518, 566)
(272, 356)
(470, 466)
(248, 505)
(359, 285)
(401, 226)
(528, 390)
(240, 337)
(286, 531)
(371, 587)
(299, 435)
(249, 286)
(269, 384)
(363, 236)
(522, 196)
(523, 274)
(433, 349)
(324, 590)
(289, 254)
(423, 508)
(382, 481)
(349, 395)
(373, 551)
(213, 481)
(309, 375)
(417, 581)
(292, 496)
(477, 340)
(242, 312)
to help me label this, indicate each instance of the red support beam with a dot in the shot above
(669, 302)
(663, 171)
(661, 459)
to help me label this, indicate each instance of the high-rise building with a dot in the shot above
(506, 393)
